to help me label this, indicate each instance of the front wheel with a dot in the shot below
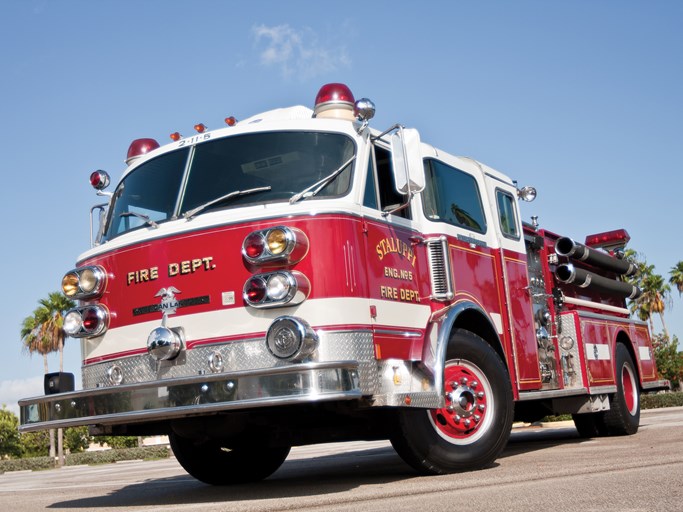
(220, 463)
(473, 428)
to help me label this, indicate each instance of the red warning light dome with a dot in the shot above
(140, 147)
(334, 100)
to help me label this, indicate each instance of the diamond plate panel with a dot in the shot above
(569, 359)
(250, 354)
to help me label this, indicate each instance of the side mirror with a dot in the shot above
(407, 163)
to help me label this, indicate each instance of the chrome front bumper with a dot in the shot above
(190, 396)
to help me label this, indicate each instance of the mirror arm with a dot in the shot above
(400, 207)
(397, 126)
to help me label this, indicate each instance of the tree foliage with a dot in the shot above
(10, 444)
(117, 442)
(669, 359)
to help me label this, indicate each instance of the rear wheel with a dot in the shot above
(217, 462)
(474, 426)
(623, 418)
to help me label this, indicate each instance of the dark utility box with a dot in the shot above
(59, 382)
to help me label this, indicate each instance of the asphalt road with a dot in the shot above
(542, 469)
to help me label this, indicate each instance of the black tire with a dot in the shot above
(623, 418)
(590, 424)
(474, 431)
(215, 463)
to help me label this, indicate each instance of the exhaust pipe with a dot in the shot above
(569, 274)
(565, 246)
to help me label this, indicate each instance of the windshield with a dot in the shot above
(270, 166)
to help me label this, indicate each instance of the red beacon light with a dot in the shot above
(175, 136)
(140, 147)
(230, 121)
(609, 240)
(200, 127)
(99, 180)
(335, 101)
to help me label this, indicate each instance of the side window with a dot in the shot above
(370, 194)
(389, 198)
(453, 196)
(506, 214)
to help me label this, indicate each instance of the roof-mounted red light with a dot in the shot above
(609, 240)
(140, 147)
(175, 136)
(230, 121)
(200, 127)
(335, 101)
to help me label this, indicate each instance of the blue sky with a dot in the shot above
(582, 99)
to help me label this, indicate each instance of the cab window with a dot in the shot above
(506, 214)
(452, 196)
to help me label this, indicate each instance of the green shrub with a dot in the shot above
(33, 463)
(87, 458)
(107, 456)
(659, 400)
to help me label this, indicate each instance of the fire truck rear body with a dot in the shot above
(281, 282)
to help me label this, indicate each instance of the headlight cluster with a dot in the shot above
(86, 321)
(279, 245)
(84, 282)
(272, 289)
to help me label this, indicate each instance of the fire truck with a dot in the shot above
(300, 277)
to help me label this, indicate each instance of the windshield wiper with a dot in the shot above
(319, 185)
(142, 216)
(234, 193)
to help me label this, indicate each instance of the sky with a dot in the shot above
(581, 99)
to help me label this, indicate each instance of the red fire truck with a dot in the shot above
(299, 277)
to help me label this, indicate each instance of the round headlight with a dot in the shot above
(255, 290)
(72, 323)
(88, 280)
(277, 241)
(278, 287)
(253, 245)
(70, 284)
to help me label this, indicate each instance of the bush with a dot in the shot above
(669, 359)
(89, 458)
(107, 456)
(660, 400)
(117, 441)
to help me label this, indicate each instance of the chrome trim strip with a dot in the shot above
(175, 398)
(599, 390)
(558, 393)
(396, 332)
(657, 384)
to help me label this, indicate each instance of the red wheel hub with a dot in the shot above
(629, 387)
(466, 392)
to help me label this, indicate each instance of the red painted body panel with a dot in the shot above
(209, 263)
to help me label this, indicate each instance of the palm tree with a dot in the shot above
(43, 333)
(676, 278)
(655, 296)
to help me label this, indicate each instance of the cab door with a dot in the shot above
(397, 274)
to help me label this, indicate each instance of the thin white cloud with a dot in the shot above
(298, 53)
(12, 390)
